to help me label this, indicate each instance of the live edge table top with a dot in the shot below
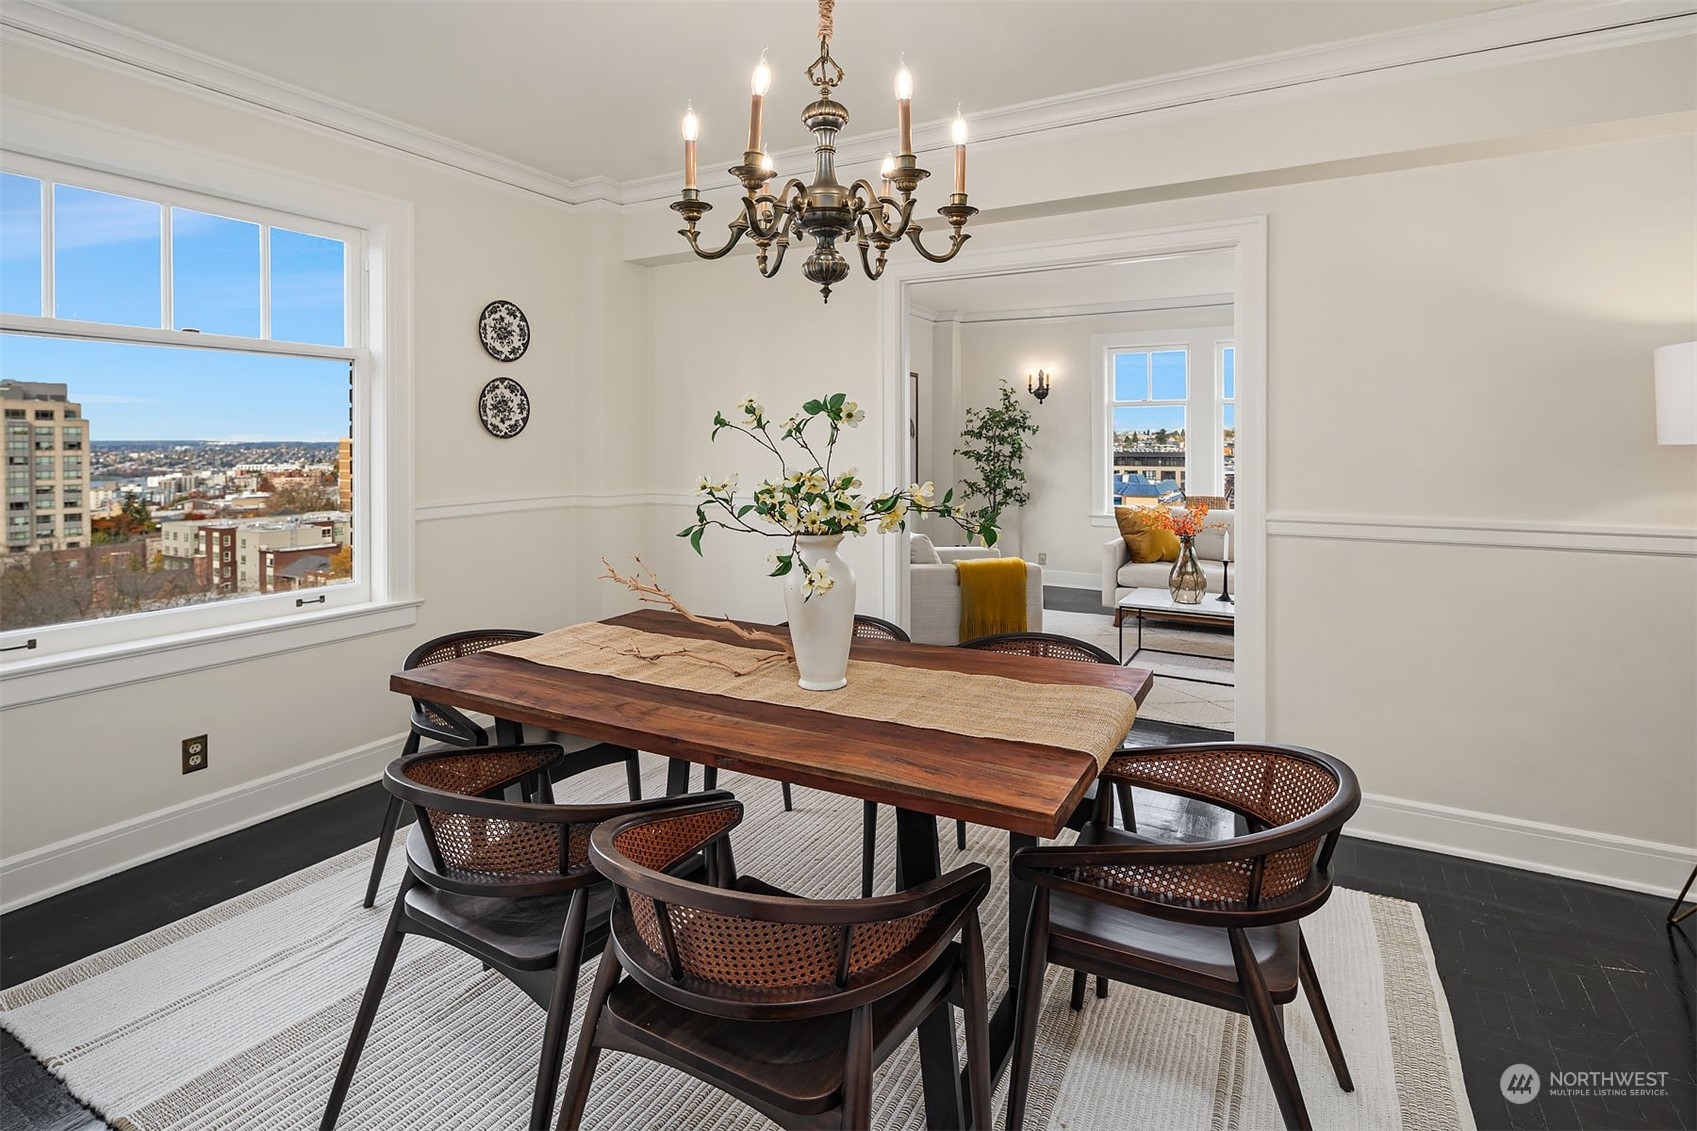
(1021, 787)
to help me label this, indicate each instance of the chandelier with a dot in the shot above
(826, 211)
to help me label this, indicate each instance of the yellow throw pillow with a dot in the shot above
(1146, 541)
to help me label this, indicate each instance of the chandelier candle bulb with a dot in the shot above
(886, 170)
(692, 130)
(760, 84)
(904, 110)
(960, 154)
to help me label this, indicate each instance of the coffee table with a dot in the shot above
(1158, 604)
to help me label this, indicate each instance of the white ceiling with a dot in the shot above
(1140, 281)
(583, 88)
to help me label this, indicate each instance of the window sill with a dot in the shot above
(40, 679)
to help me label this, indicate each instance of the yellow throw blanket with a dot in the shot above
(992, 596)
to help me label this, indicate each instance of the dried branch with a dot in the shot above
(651, 592)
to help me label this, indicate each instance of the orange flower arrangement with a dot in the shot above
(1187, 522)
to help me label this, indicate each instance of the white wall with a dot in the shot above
(94, 762)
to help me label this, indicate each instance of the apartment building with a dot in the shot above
(46, 467)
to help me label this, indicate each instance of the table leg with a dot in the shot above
(677, 777)
(916, 849)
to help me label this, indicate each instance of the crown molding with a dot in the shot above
(1494, 38)
(89, 39)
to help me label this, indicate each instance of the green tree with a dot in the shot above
(995, 443)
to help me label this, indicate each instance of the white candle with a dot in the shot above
(759, 84)
(960, 154)
(904, 110)
(692, 130)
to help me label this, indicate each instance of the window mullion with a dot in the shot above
(167, 320)
(47, 283)
(265, 284)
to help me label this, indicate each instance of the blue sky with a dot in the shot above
(107, 256)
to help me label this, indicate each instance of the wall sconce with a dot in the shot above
(1038, 386)
(1676, 394)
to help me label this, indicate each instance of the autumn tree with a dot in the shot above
(342, 563)
(299, 498)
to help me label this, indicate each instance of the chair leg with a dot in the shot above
(1030, 1005)
(633, 775)
(1323, 1018)
(1078, 980)
(1101, 987)
(1269, 1034)
(1129, 814)
(387, 951)
(584, 1059)
(789, 802)
(857, 1071)
(559, 1011)
(709, 777)
(391, 818)
(960, 835)
(976, 1015)
(868, 845)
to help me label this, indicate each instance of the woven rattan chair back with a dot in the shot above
(873, 628)
(1044, 645)
(741, 953)
(437, 720)
(482, 844)
(1294, 800)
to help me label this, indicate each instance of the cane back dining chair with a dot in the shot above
(1042, 644)
(1216, 922)
(865, 628)
(788, 1004)
(508, 882)
(443, 723)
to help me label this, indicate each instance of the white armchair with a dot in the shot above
(935, 591)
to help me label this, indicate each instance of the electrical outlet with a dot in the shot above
(1042, 559)
(194, 754)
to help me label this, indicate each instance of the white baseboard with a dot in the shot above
(1600, 858)
(77, 860)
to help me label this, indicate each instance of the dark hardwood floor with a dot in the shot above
(1552, 973)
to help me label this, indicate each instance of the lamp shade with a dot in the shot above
(1676, 394)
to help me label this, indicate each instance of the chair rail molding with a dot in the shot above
(589, 500)
(1486, 39)
(1573, 537)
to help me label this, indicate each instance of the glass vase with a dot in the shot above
(1187, 583)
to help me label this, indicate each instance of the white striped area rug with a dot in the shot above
(236, 1017)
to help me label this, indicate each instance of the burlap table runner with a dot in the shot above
(1092, 720)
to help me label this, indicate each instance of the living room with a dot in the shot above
(1452, 241)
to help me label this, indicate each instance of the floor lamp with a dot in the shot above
(1676, 423)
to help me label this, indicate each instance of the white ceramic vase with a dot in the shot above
(821, 626)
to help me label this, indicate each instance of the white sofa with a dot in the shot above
(935, 591)
(1120, 574)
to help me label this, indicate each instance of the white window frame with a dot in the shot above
(89, 656)
(1220, 403)
(1202, 403)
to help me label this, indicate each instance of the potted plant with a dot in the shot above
(995, 443)
(812, 506)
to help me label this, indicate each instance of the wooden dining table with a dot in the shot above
(1028, 789)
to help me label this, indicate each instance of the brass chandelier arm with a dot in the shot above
(737, 226)
(782, 240)
(869, 204)
(873, 273)
(955, 241)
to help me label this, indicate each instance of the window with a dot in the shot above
(1147, 412)
(104, 281)
(1227, 365)
(45, 439)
